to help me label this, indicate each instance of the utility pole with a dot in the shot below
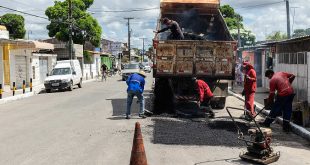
(70, 29)
(288, 19)
(129, 35)
(293, 18)
(142, 48)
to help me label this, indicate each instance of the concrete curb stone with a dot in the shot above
(36, 90)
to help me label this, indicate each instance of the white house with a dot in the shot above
(23, 60)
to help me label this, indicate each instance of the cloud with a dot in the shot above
(261, 20)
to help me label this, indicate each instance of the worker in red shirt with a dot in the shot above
(249, 87)
(204, 96)
(282, 83)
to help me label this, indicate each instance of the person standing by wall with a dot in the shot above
(249, 87)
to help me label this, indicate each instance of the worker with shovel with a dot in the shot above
(282, 83)
(249, 89)
(204, 96)
(173, 26)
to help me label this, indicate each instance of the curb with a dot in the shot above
(302, 132)
(17, 97)
(29, 94)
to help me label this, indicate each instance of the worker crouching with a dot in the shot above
(204, 96)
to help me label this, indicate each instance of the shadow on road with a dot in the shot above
(119, 106)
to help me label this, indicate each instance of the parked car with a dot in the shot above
(130, 69)
(146, 67)
(65, 75)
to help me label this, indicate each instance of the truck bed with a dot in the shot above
(208, 59)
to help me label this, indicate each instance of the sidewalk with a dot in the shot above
(259, 102)
(7, 94)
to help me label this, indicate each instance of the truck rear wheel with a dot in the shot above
(164, 99)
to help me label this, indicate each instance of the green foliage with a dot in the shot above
(88, 59)
(277, 36)
(301, 32)
(233, 21)
(231, 18)
(85, 26)
(15, 24)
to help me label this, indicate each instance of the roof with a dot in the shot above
(26, 44)
(191, 1)
(292, 40)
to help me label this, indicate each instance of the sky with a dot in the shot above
(262, 17)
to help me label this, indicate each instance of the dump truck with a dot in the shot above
(207, 52)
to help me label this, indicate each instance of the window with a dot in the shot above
(293, 58)
(301, 58)
(286, 58)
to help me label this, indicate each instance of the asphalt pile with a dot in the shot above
(219, 132)
(192, 36)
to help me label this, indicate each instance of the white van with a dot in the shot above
(65, 75)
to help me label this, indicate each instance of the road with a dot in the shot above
(87, 127)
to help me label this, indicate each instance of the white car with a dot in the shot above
(65, 75)
(130, 69)
(147, 68)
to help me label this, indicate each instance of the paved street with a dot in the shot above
(87, 127)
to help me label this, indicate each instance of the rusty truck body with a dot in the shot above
(210, 57)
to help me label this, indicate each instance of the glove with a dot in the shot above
(243, 93)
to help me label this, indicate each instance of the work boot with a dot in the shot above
(211, 114)
(127, 117)
(142, 116)
(286, 127)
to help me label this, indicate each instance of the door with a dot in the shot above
(43, 65)
(20, 70)
(6, 64)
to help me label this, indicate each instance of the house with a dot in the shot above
(293, 56)
(259, 57)
(22, 60)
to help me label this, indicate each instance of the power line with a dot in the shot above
(23, 12)
(259, 5)
(124, 11)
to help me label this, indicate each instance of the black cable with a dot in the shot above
(259, 5)
(124, 11)
(23, 12)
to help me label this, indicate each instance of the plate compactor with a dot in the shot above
(258, 143)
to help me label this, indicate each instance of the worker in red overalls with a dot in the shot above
(280, 82)
(204, 96)
(249, 87)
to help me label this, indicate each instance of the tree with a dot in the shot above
(85, 26)
(277, 36)
(15, 24)
(301, 32)
(233, 21)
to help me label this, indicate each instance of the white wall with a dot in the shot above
(92, 69)
(1, 66)
(36, 66)
(300, 83)
(19, 52)
(51, 62)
